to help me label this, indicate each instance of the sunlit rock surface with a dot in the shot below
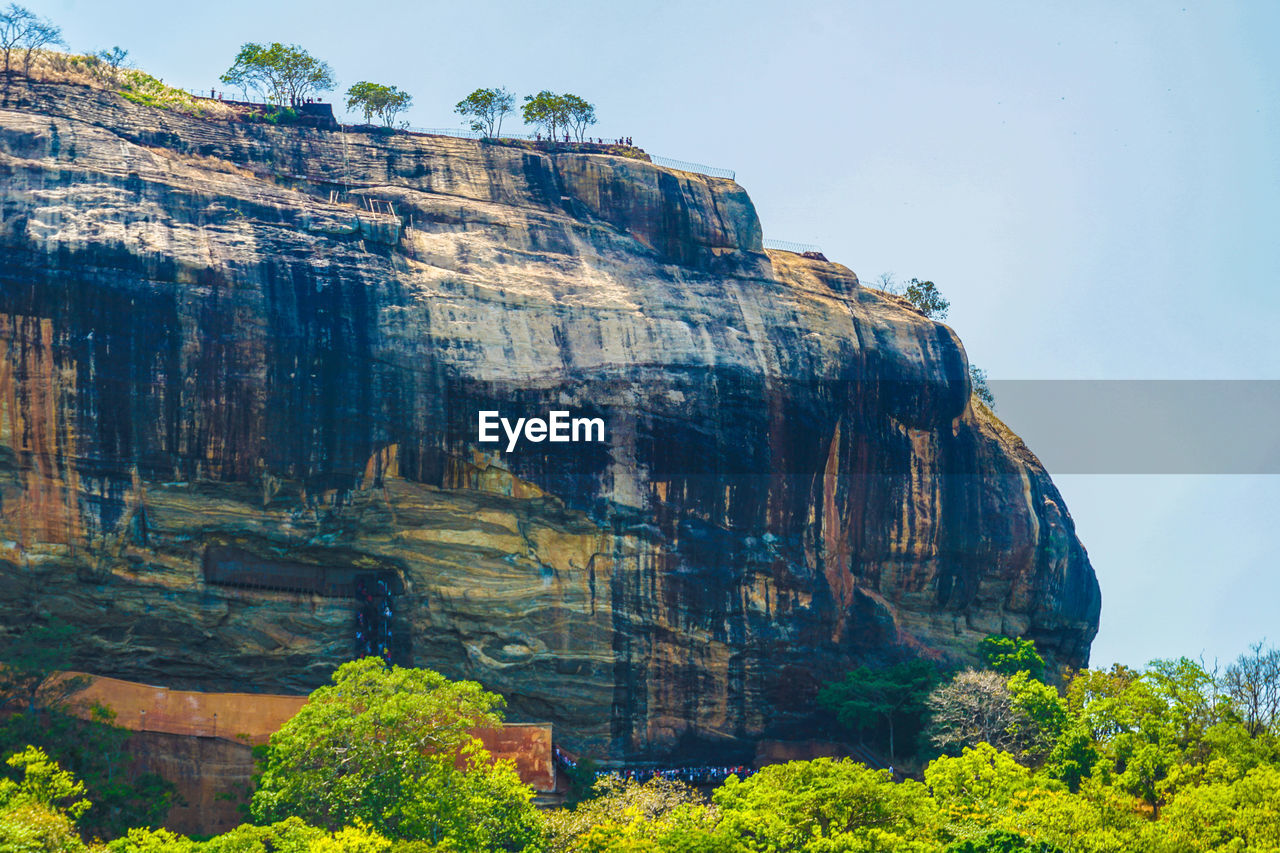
(208, 341)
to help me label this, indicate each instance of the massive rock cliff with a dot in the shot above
(214, 356)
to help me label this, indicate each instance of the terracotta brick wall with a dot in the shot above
(202, 743)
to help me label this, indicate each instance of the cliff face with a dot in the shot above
(210, 346)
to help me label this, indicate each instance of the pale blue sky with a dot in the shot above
(1095, 185)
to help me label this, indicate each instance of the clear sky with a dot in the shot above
(1094, 185)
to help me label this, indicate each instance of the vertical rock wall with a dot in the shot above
(201, 347)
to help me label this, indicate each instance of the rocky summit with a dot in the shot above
(241, 371)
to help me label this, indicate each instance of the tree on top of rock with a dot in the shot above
(893, 695)
(282, 74)
(558, 114)
(928, 299)
(486, 109)
(22, 29)
(375, 99)
(581, 114)
(546, 110)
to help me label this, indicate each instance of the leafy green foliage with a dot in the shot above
(582, 779)
(1040, 715)
(96, 752)
(93, 750)
(31, 828)
(1010, 655)
(981, 390)
(927, 299)
(1240, 815)
(1072, 758)
(288, 836)
(1002, 841)
(1161, 760)
(581, 114)
(153, 841)
(114, 58)
(806, 805)
(486, 108)
(894, 695)
(547, 111)
(393, 748)
(558, 114)
(654, 806)
(43, 783)
(376, 99)
(39, 811)
(285, 75)
(143, 89)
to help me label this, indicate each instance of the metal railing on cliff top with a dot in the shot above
(682, 165)
(467, 133)
(710, 171)
(788, 246)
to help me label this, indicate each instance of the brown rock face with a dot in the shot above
(210, 346)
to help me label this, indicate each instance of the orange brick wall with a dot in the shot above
(199, 741)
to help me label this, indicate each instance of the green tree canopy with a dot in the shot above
(893, 695)
(581, 114)
(375, 99)
(817, 805)
(1011, 655)
(393, 747)
(282, 74)
(558, 114)
(38, 812)
(546, 110)
(979, 386)
(486, 108)
(1240, 815)
(657, 802)
(96, 751)
(1150, 728)
(927, 298)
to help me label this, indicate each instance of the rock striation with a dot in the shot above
(221, 338)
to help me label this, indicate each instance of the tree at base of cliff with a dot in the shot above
(893, 695)
(392, 748)
(32, 680)
(39, 811)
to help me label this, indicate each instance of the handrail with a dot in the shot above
(712, 171)
(467, 133)
(788, 246)
(461, 132)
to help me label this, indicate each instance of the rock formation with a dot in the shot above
(229, 345)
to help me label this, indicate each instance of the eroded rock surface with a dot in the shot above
(207, 339)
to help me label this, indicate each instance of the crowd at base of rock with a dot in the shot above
(710, 775)
(688, 775)
(373, 619)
